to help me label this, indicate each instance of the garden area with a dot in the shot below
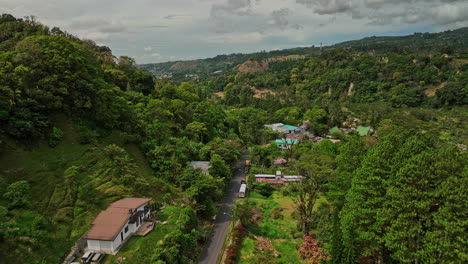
(267, 231)
(274, 234)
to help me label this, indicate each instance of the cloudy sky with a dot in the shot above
(162, 30)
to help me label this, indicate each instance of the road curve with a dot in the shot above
(214, 244)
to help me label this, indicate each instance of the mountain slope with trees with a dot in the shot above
(447, 42)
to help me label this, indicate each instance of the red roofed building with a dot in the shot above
(118, 222)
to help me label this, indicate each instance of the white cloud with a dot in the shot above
(96, 36)
(148, 48)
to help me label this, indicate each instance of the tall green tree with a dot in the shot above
(362, 228)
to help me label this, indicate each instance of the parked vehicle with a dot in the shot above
(243, 190)
(97, 258)
(247, 166)
(87, 257)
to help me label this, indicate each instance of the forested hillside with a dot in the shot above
(81, 128)
(446, 42)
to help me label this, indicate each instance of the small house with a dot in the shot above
(284, 129)
(334, 130)
(290, 129)
(203, 166)
(275, 127)
(364, 131)
(292, 178)
(286, 143)
(280, 162)
(113, 226)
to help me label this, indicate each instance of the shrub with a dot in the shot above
(264, 189)
(311, 251)
(88, 136)
(231, 253)
(18, 194)
(55, 136)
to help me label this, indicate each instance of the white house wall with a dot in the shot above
(116, 243)
(132, 228)
(106, 245)
(94, 245)
(130, 231)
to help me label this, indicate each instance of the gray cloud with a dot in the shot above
(412, 16)
(176, 16)
(375, 4)
(226, 15)
(438, 12)
(449, 13)
(327, 7)
(277, 20)
(155, 26)
(380, 3)
(280, 18)
(231, 7)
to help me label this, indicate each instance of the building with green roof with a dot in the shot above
(334, 130)
(288, 127)
(364, 131)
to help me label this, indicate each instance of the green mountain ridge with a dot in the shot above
(425, 43)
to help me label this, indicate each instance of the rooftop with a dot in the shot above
(203, 166)
(363, 131)
(130, 203)
(289, 141)
(290, 127)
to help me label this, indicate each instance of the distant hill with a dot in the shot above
(444, 42)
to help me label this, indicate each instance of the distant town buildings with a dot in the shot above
(293, 135)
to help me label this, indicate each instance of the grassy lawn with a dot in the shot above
(277, 224)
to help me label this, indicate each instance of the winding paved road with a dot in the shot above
(214, 244)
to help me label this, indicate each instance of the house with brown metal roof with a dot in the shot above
(113, 226)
